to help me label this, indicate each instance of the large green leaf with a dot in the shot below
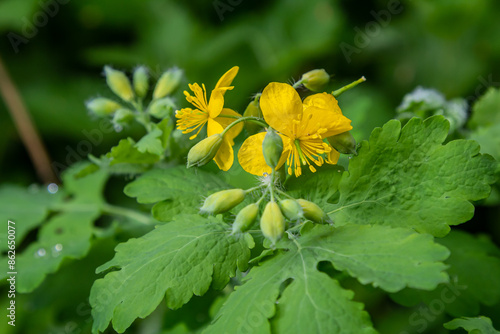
(407, 178)
(27, 208)
(474, 271)
(175, 260)
(176, 189)
(478, 325)
(65, 235)
(314, 302)
(320, 187)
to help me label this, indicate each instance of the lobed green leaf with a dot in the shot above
(478, 325)
(177, 190)
(27, 208)
(127, 152)
(407, 178)
(474, 266)
(174, 261)
(67, 235)
(370, 253)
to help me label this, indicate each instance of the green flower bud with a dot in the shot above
(272, 222)
(272, 147)
(161, 108)
(203, 152)
(344, 143)
(141, 81)
(123, 116)
(119, 83)
(167, 83)
(245, 218)
(291, 209)
(102, 106)
(313, 212)
(253, 110)
(315, 80)
(222, 201)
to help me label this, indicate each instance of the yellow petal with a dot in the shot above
(315, 119)
(213, 127)
(281, 104)
(250, 155)
(225, 156)
(323, 101)
(326, 114)
(216, 103)
(225, 121)
(227, 78)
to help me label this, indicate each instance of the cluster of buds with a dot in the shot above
(132, 94)
(278, 213)
(276, 217)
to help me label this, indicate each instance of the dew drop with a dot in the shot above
(118, 128)
(40, 253)
(265, 174)
(52, 188)
(58, 247)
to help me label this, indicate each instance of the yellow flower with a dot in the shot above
(301, 125)
(212, 113)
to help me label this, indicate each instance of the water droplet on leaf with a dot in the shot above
(52, 188)
(40, 253)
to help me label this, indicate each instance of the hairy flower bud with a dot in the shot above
(102, 106)
(291, 209)
(167, 83)
(315, 80)
(141, 81)
(272, 147)
(222, 201)
(161, 108)
(119, 83)
(253, 110)
(272, 222)
(245, 218)
(313, 212)
(344, 143)
(203, 152)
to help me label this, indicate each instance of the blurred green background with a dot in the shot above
(55, 51)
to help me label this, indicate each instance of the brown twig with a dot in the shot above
(27, 131)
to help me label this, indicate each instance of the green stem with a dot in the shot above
(284, 193)
(298, 83)
(271, 185)
(245, 119)
(254, 188)
(262, 197)
(353, 84)
(230, 116)
(124, 212)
